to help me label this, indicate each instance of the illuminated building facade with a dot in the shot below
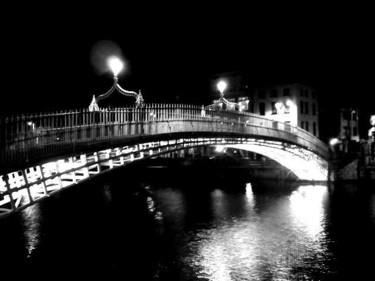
(294, 104)
(349, 124)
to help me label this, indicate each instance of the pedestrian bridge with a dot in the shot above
(43, 153)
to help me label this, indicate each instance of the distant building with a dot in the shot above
(349, 124)
(294, 104)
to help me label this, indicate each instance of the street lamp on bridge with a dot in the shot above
(116, 66)
(221, 86)
(222, 103)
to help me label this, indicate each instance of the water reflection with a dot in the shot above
(248, 232)
(173, 200)
(219, 207)
(31, 222)
(274, 242)
(250, 195)
(307, 208)
(107, 194)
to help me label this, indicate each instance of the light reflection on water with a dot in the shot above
(244, 232)
(307, 211)
(31, 223)
(245, 242)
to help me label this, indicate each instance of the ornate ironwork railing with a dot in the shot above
(27, 137)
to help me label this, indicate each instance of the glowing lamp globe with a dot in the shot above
(334, 141)
(278, 105)
(372, 120)
(289, 103)
(115, 64)
(221, 86)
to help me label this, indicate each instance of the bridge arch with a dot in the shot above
(27, 186)
(303, 163)
(74, 146)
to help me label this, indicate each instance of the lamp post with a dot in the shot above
(116, 66)
(221, 86)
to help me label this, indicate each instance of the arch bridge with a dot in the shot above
(41, 154)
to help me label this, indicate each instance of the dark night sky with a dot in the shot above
(173, 51)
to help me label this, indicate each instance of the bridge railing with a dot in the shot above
(27, 137)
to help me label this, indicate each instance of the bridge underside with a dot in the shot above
(26, 186)
(303, 163)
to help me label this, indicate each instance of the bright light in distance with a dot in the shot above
(333, 141)
(289, 103)
(372, 120)
(221, 86)
(220, 148)
(115, 64)
(307, 206)
(278, 105)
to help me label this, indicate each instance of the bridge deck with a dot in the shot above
(26, 139)
(42, 154)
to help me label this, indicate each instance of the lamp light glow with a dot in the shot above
(220, 148)
(372, 120)
(334, 141)
(278, 105)
(115, 64)
(289, 103)
(221, 86)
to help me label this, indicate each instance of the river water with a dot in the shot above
(164, 225)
